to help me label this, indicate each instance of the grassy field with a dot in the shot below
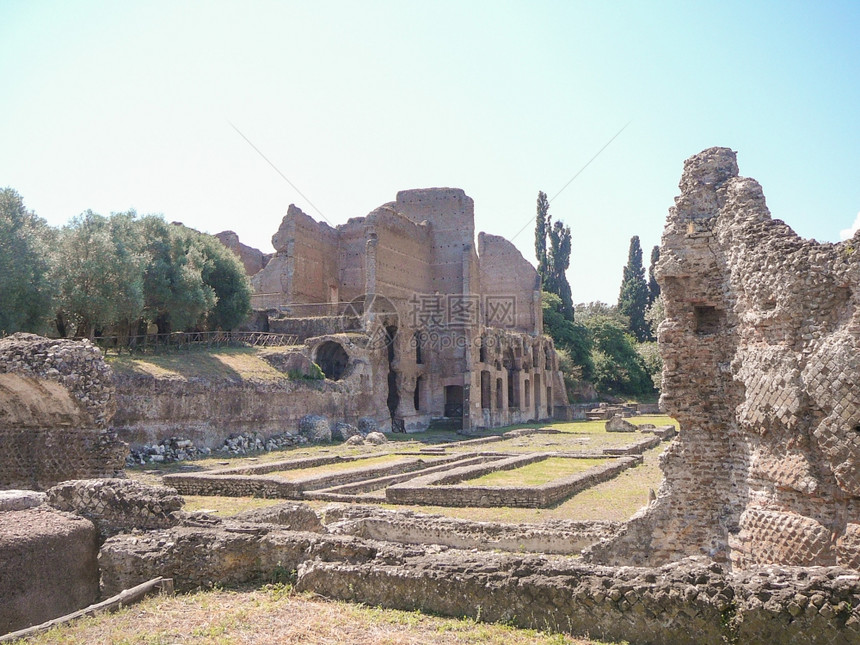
(540, 472)
(244, 363)
(274, 614)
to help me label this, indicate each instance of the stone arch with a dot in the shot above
(332, 359)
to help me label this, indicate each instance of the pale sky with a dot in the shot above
(119, 105)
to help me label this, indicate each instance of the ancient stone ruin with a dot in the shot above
(754, 536)
(760, 346)
(446, 332)
(56, 401)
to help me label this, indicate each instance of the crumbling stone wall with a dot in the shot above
(691, 602)
(761, 366)
(444, 307)
(252, 259)
(208, 411)
(56, 401)
(117, 505)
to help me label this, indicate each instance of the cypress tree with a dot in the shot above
(559, 261)
(633, 296)
(542, 222)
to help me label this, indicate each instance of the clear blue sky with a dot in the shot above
(119, 105)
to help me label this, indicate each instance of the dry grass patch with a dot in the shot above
(227, 363)
(536, 474)
(274, 614)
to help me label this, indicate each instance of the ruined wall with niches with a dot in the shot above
(56, 401)
(761, 365)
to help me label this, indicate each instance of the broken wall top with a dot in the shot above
(54, 383)
(762, 371)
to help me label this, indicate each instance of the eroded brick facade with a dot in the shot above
(461, 325)
(760, 346)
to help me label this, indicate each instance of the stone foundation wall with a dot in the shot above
(207, 412)
(567, 537)
(441, 489)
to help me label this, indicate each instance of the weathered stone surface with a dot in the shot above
(315, 428)
(761, 366)
(618, 424)
(375, 438)
(343, 431)
(55, 393)
(295, 517)
(118, 505)
(48, 566)
(19, 500)
(366, 425)
(77, 367)
(293, 363)
(355, 440)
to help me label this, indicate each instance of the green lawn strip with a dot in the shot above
(540, 472)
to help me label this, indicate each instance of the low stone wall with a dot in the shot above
(205, 553)
(637, 447)
(351, 492)
(243, 482)
(564, 537)
(441, 490)
(692, 602)
(681, 604)
(48, 566)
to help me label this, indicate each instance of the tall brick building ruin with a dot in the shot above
(447, 332)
